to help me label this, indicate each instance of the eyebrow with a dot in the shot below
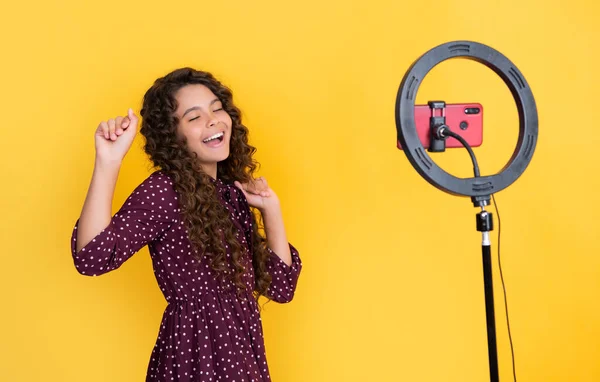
(198, 107)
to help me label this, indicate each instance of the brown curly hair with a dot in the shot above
(207, 220)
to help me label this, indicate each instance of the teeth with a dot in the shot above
(218, 135)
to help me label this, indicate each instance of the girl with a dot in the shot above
(194, 213)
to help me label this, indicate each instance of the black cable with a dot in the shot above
(445, 131)
(512, 351)
(448, 132)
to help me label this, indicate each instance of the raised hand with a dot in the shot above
(261, 196)
(115, 136)
(258, 193)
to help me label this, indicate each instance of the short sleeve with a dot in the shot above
(149, 211)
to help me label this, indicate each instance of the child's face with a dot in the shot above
(205, 124)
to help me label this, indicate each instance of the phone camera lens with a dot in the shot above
(472, 110)
(463, 125)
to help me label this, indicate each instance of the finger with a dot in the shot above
(260, 185)
(254, 188)
(118, 123)
(251, 186)
(239, 185)
(263, 182)
(111, 129)
(104, 128)
(125, 123)
(243, 188)
(133, 118)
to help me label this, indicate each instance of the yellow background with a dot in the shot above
(392, 284)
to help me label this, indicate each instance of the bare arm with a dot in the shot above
(113, 140)
(275, 232)
(97, 208)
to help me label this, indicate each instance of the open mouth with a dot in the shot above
(214, 140)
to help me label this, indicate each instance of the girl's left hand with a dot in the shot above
(258, 193)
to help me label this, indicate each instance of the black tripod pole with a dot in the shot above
(485, 225)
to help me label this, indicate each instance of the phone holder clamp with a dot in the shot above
(437, 125)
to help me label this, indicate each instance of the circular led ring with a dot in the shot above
(416, 153)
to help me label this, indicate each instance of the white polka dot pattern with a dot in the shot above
(207, 333)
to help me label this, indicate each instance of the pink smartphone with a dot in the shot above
(464, 119)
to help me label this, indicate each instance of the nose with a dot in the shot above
(212, 120)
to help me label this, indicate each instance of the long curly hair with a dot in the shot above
(206, 219)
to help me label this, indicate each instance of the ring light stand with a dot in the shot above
(479, 188)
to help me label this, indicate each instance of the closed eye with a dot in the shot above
(194, 119)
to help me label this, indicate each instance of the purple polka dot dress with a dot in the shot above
(207, 333)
